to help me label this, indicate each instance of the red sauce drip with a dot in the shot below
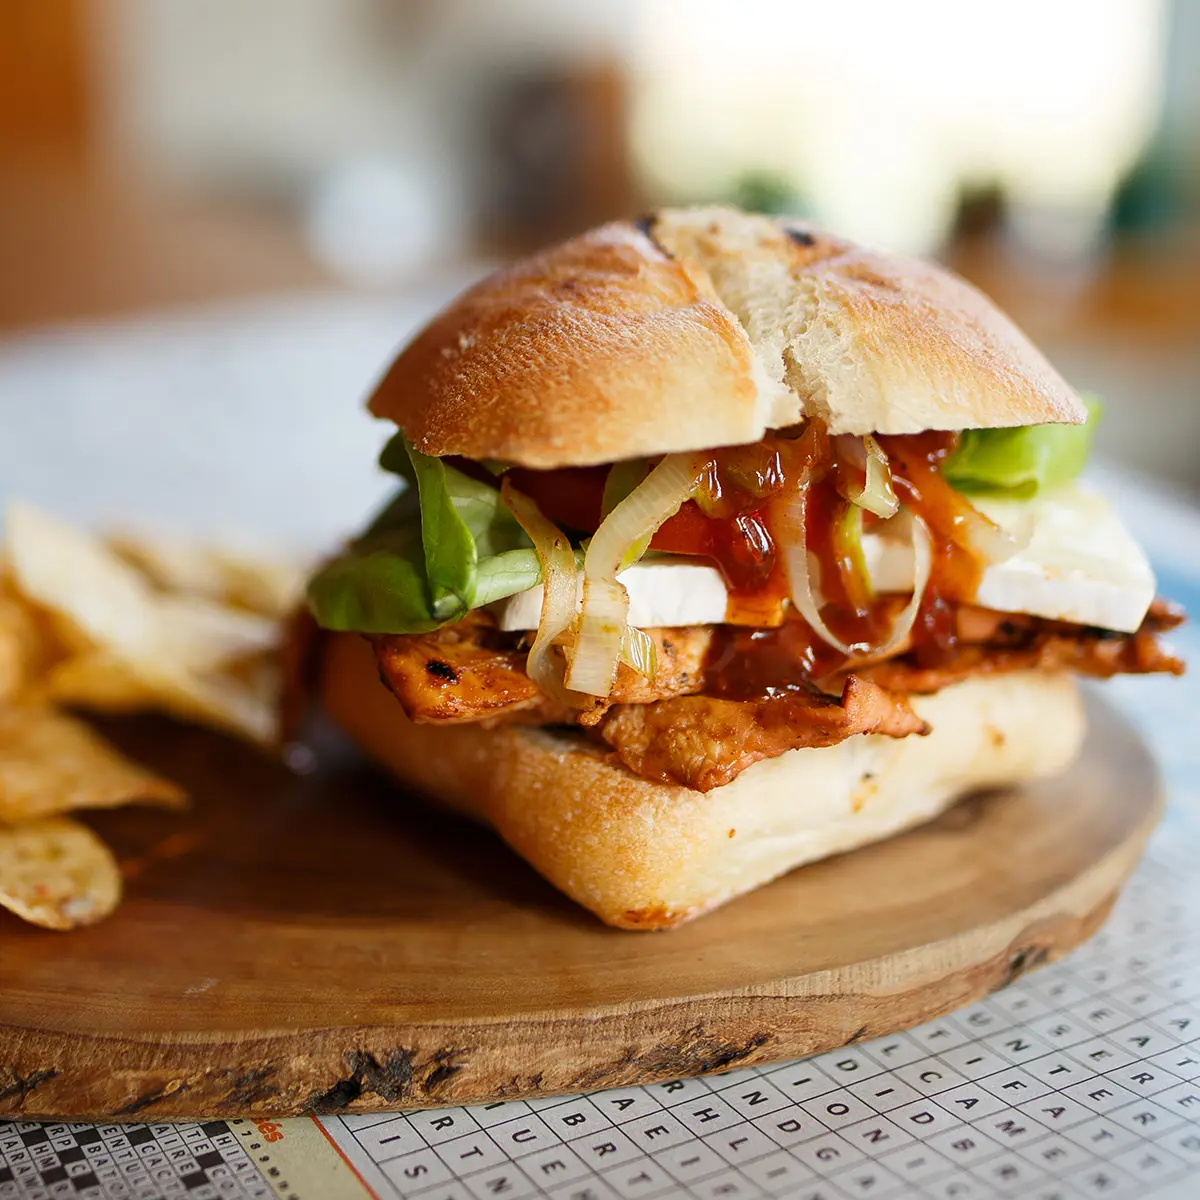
(916, 462)
(762, 606)
(848, 609)
(751, 664)
(728, 524)
(741, 545)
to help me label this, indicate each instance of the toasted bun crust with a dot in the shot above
(643, 855)
(706, 327)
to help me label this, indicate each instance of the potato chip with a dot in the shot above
(57, 873)
(97, 681)
(75, 574)
(71, 572)
(51, 763)
(162, 634)
(270, 588)
(200, 635)
(23, 648)
(244, 703)
(243, 700)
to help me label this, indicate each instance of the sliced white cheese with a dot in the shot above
(664, 591)
(1079, 564)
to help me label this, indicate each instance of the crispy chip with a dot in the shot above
(244, 700)
(28, 641)
(23, 648)
(148, 629)
(51, 763)
(200, 635)
(270, 588)
(97, 681)
(71, 572)
(57, 873)
(76, 575)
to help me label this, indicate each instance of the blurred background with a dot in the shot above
(303, 178)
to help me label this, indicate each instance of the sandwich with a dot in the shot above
(721, 545)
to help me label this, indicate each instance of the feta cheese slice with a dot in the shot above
(1079, 564)
(663, 591)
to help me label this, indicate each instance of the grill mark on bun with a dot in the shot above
(645, 226)
(801, 237)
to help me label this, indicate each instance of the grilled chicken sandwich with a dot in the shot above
(725, 545)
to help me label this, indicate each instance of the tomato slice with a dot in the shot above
(740, 545)
(570, 496)
(689, 531)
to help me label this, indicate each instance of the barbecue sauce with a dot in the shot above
(916, 462)
(734, 498)
(755, 663)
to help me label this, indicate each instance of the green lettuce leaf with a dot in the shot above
(378, 586)
(394, 459)
(451, 556)
(506, 574)
(1021, 462)
(493, 527)
(444, 545)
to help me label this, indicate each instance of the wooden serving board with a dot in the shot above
(322, 944)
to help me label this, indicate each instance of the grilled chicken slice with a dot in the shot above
(990, 642)
(467, 671)
(703, 742)
(470, 671)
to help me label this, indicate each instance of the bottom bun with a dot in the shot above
(645, 855)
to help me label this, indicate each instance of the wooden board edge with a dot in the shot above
(47, 1075)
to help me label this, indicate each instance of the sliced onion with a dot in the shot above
(788, 520)
(592, 661)
(922, 546)
(983, 538)
(953, 517)
(848, 548)
(656, 498)
(560, 591)
(639, 653)
(619, 542)
(878, 496)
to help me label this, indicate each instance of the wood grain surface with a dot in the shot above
(321, 943)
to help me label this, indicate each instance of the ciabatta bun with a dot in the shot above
(698, 328)
(643, 855)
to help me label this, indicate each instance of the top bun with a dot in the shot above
(697, 328)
